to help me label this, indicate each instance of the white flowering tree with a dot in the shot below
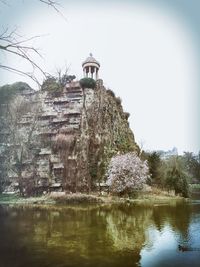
(127, 173)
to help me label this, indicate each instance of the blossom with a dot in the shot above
(127, 173)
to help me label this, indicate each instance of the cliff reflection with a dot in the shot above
(85, 236)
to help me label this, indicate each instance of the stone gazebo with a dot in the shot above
(91, 67)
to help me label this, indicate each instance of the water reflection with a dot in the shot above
(177, 216)
(99, 235)
(174, 226)
(126, 227)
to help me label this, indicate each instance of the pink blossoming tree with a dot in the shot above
(127, 173)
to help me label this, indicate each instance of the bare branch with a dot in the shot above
(18, 42)
(55, 5)
(11, 42)
(19, 47)
(4, 32)
(51, 3)
(20, 72)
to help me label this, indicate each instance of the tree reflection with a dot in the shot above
(177, 216)
(89, 235)
(127, 227)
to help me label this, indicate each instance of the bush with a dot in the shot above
(51, 85)
(87, 83)
(64, 79)
(176, 180)
(127, 173)
(77, 198)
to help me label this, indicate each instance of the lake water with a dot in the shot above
(102, 236)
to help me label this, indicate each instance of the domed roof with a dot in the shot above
(91, 59)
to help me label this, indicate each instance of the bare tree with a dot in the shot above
(21, 138)
(12, 43)
(63, 76)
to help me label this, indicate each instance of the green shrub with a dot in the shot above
(87, 83)
(52, 86)
(177, 181)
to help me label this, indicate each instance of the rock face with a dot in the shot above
(78, 131)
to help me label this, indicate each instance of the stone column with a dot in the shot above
(97, 74)
(95, 70)
(90, 72)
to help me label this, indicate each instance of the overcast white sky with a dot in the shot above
(148, 57)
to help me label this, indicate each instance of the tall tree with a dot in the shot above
(175, 176)
(154, 162)
(192, 165)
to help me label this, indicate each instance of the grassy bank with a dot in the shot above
(154, 197)
(16, 199)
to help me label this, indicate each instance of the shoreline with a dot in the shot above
(79, 199)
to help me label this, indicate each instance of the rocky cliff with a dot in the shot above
(66, 140)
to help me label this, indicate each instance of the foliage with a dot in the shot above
(192, 165)
(176, 177)
(51, 84)
(87, 83)
(9, 90)
(56, 84)
(154, 163)
(123, 144)
(66, 79)
(174, 173)
(75, 198)
(127, 173)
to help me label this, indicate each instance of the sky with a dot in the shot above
(149, 53)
